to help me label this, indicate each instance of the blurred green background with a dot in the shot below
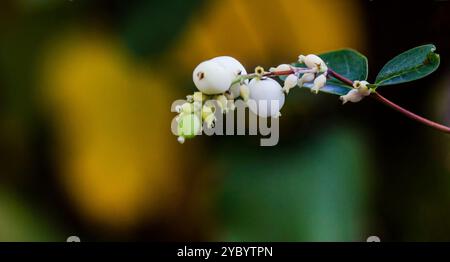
(86, 147)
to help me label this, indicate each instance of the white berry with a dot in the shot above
(235, 67)
(266, 97)
(211, 78)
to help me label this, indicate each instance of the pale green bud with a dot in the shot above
(189, 125)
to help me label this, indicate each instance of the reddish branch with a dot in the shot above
(400, 109)
(378, 97)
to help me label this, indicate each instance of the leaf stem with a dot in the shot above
(391, 104)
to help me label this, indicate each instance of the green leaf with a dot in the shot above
(331, 88)
(347, 62)
(411, 65)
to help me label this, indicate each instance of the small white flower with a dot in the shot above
(244, 92)
(301, 59)
(181, 139)
(319, 82)
(222, 101)
(352, 96)
(208, 115)
(307, 77)
(362, 88)
(230, 105)
(198, 97)
(210, 120)
(197, 106)
(259, 71)
(190, 98)
(229, 95)
(290, 82)
(313, 62)
(206, 111)
(280, 68)
(187, 108)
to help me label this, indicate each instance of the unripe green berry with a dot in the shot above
(189, 125)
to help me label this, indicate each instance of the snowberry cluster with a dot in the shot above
(223, 79)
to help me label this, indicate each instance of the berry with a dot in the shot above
(189, 125)
(235, 67)
(266, 97)
(212, 78)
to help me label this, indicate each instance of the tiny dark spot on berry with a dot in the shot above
(200, 75)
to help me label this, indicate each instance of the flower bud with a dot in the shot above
(199, 97)
(230, 105)
(352, 96)
(313, 62)
(210, 120)
(187, 108)
(319, 82)
(244, 92)
(280, 68)
(222, 102)
(259, 71)
(208, 115)
(197, 106)
(306, 77)
(362, 87)
(290, 82)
